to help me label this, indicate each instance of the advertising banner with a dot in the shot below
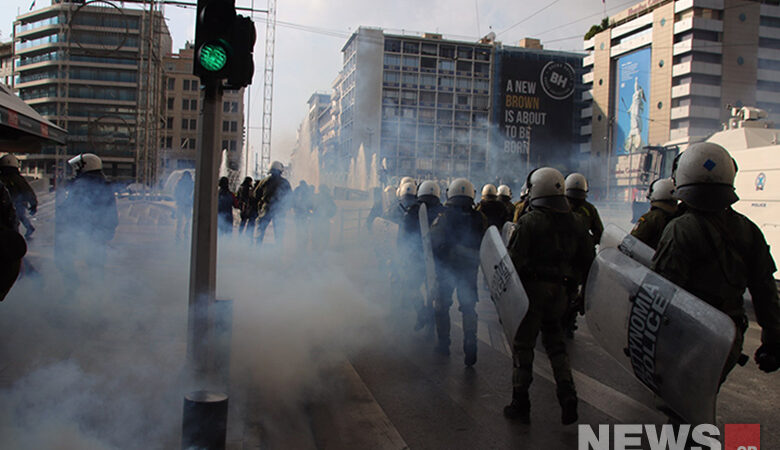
(632, 91)
(534, 110)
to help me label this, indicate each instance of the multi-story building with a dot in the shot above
(182, 106)
(664, 71)
(95, 69)
(6, 63)
(429, 107)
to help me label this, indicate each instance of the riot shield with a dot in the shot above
(614, 237)
(673, 342)
(506, 232)
(430, 267)
(506, 290)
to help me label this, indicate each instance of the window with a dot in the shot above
(224, 145)
(194, 104)
(481, 68)
(481, 85)
(428, 98)
(225, 107)
(409, 97)
(393, 45)
(169, 123)
(392, 77)
(170, 102)
(185, 124)
(409, 79)
(429, 49)
(195, 85)
(446, 82)
(234, 107)
(225, 125)
(465, 52)
(192, 143)
(169, 142)
(428, 80)
(392, 60)
(193, 124)
(233, 126)
(171, 84)
(411, 47)
(388, 112)
(185, 104)
(428, 63)
(447, 51)
(186, 85)
(411, 62)
(390, 97)
(463, 84)
(184, 142)
(464, 66)
(233, 146)
(445, 64)
(463, 100)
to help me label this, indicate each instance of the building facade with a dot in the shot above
(430, 107)
(182, 107)
(665, 72)
(6, 63)
(96, 71)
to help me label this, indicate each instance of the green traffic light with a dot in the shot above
(213, 57)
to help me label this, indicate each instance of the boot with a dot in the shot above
(470, 350)
(519, 409)
(569, 411)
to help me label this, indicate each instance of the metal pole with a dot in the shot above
(203, 256)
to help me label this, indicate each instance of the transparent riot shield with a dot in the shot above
(506, 232)
(673, 342)
(506, 290)
(430, 267)
(614, 237)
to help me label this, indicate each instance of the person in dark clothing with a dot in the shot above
(12, 245)
(247, 206)
(226, 201)
(505, 197)
(495, 211)
(183, 195)
(551, 250)
(303, 207)
(411, 253)
(456, 235)
(324, 210)
(663, 208)
(90, 216)
(577, 194)
(272, 196)
(22, 194)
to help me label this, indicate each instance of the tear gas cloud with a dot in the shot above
(96, 360)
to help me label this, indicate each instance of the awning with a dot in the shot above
(22, 129)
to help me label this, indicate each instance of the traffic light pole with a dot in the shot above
(203, 256)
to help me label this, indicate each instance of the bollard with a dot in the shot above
(222, 335)
(204, 421)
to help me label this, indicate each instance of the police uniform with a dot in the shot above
(650, 226)
(271, 194)
(495, 211)
(590, 215)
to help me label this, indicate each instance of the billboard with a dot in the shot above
(632, 91)
(533, 110)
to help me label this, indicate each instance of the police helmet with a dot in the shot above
(407, 188)
(428, 187)
(276, 166)
(461, 187)
(661, 190)
(489, 190)
(407, 180)
(505, 191)
(86, 162)
(576, 186)
(9, 160)
(546, 188)
(704, 177)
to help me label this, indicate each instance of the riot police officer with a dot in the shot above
(714, 252)
(492, 208)
(505, 197)
(576, 194)
(663, 207)
(456, 235)
(551, 249)
(272, 200)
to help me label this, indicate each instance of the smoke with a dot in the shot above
(95, 359)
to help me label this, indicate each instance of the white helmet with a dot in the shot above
(505, 191)
(9, 160)
(576, 186)
(704, 177)
(488, 190)
(461, 186)
(277, 166)
(546, 188)
(407, 180)
(86, 162)
(407, 188)
(661, 190)
(429, 187)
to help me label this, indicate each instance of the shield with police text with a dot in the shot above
(506, 290)
(614, 237)
(673, 342)
(506, 231)
(430, 267)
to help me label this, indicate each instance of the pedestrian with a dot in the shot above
(183, 196)
(663, 208)
(456, 235)
(247, 206)
(272, 195)
(715, 253)
(22, 194)
(495, 211)
(550, 250)
(90, 216)
(226, 202)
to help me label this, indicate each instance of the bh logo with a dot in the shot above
(668, 437)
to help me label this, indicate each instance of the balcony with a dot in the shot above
(587, 78)
(586, 112)
(699, 90)
(697, 45)
(586, 130)
(696, 67)
(699, 112)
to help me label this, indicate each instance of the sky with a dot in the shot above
(310, 34)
